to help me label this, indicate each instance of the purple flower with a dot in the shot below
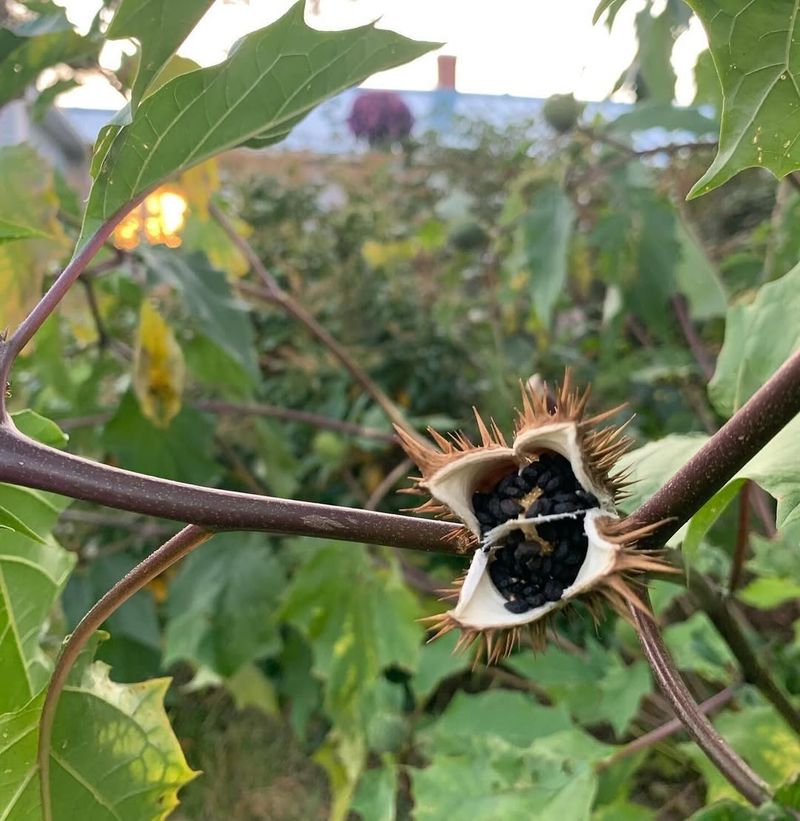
(380, 117)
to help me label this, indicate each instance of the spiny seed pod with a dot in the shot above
(540, 515)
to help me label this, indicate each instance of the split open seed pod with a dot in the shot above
(541, 516)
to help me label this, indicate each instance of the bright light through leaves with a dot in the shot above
(158, 221)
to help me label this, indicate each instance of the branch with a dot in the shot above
(274, 293)
(764, 415)
(697, 725)
(170, 552)
(730, 628)
(31, 464)
(692, 337)
(291, 415)
(659, 734)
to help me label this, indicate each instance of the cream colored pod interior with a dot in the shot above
(525, 564)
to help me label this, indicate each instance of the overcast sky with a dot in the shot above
(530, 48)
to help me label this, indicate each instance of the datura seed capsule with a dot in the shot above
(540, 514)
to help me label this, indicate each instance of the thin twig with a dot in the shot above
(170, 552)
(742, 533)
(696, 345)
(291, 415)
(276, 294)
(739, 773)
(387, 483)
(94, 310)
(659, 734)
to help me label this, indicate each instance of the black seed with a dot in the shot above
(485, 518)
(589, 499)
(553, 590)
(517, 606)
(561, 552)
(547, 564)
(514, 538)
(480, 501)
(565, 507)
(566, 574)
(553, 485)
(494, 508)
(530, 473)
(535, 509)
(527, 551)
(575, 558)
(510, 508)
(536, 600)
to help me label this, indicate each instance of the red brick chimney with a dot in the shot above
(447, 73)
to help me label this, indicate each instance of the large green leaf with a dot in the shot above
(273, 78)
(546, 232)
(222, 605)
(9, 231)
(32, 573)
(758, 62)
(113, 753)
(656, 82)
(758, 340)
(488, 778)
(160, 26)
(596, 687)
(359, 621)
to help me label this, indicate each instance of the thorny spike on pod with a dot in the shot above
(541, 515)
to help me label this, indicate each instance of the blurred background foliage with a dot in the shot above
(303, 684)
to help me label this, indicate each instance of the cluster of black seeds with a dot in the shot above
(530, 570)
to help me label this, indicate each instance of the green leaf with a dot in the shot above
(37, 427)
(489, 778)
(653, 464)
(27, 198)
(11, 522)
(514, 717)
(31, 49)
(359, 621)
(271, 80)
(596, 687)
(696, 645)
(46, 99)
(703, 520)
(546, 232)
(697, 277)
(762, 738)
(437, 661)
(375, 795)
(758, 66)
(180, 452)
(769, 592)
(9, 231)
(658, 115)
(209, 302)
(32, 573)
(222, 605)
(113, 753)
(612, 7)
(758, 340)
(706, 81)
(159, 28)
(656, 39)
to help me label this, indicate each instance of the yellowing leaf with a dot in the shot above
(158, 368)
(381, 254)
(198, 184)
(27, 197)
